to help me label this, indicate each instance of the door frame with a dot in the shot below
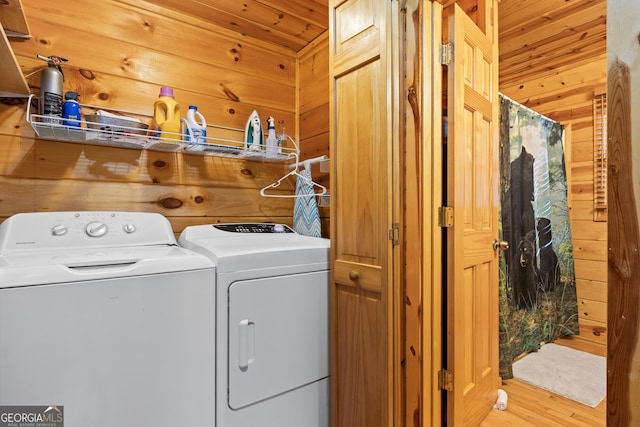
(424, 346)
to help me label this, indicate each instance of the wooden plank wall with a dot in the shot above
(566, 96)
(623, 357)
(313, 105)
(120, 53)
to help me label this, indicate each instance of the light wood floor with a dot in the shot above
(531, 406)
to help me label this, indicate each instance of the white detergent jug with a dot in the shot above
(196, 127)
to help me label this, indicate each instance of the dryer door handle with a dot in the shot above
(246, 344)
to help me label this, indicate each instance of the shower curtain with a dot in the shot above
(537, 281)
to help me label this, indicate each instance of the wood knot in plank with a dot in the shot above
(87, 74)
(170, 203)
(126, 63)
(232, 96)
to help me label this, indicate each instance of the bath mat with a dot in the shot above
(571, 373)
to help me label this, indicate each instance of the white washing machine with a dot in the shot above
(104, 314)
(272, 324)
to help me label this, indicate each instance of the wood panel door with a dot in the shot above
(364, 76)
(472, 192)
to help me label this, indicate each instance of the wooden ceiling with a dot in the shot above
(291, 24)
(535, 36)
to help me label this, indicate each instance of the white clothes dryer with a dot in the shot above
(272, 323)
(103, 315)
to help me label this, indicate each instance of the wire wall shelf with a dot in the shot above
(115, 132)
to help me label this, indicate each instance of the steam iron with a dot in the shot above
(253, 133)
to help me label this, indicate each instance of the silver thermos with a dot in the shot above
(51, 88)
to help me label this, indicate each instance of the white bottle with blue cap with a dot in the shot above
(196, 127)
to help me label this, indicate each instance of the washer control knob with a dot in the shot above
(129, 228)
(59, 230)
(278, 228)
(96, 229)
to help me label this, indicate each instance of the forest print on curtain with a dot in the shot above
(537, 280)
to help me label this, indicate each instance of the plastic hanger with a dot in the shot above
(294, 172)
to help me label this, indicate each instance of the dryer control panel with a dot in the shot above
(254, 228)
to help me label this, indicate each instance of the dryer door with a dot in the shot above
(278, 335)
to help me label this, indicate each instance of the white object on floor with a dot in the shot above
(501, 403)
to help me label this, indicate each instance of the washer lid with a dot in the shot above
(28, 268)
(58, 247)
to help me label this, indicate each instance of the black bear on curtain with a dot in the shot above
(522, 256)
(532, 262)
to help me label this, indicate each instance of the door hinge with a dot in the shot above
(394, 233)
(445, 380)
(446, 53)
(445, 216)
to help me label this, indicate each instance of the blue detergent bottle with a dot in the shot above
(71, 109)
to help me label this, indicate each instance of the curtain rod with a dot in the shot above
(526, 108)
